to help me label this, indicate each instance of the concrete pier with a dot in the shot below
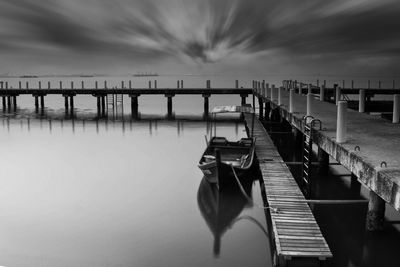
(378, 141)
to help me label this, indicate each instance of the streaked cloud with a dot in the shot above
(202, 31)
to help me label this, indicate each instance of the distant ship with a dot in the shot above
(145, 74)
(28, 76)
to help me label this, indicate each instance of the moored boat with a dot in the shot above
(223, 160)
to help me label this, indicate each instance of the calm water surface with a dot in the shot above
(112, 193)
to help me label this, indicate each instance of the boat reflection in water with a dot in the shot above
(220, 209)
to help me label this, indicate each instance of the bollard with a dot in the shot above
(280, 96)
(322, 93)
(341, 126)
(396, 109)
(309, 104)
(361, 101)
(273, 93)
(338, 95)
(291, 100)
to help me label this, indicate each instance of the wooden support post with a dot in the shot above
(83, 84)
(36, 102)
(42, 101)
(19, 85)
(266, 90)
(149, 84)
(134, 106)
(267, 108)
(96, 85)
(122, 85)
(71, 99)
(243, 97)
(352, 84)
(103, 105)
(361, 101)
(237, 84)
(155, 84)
(15, 102)
(130, 84)
(98, 105)
(291, 100)
(177, 84)
(9, 102)
(323, 161)
(343, 84)
(322, 93)
(169, 105)
(206, 104)
(61, 85)
(396, 108)
(66, 103)
(261, 107)
(72, 85)
(341, 128)
(105, 84)
(181, 84)
(376, 212)
(27, 85)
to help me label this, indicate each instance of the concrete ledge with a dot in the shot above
(383, 181)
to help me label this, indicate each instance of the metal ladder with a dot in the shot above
(115, 103)
(309, 123)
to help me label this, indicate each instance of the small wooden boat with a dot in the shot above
(224, 159)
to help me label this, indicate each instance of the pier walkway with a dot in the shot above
(371, 150)
(295, 231)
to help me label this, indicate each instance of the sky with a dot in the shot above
(227, 37)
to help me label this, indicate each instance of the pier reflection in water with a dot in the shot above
(88, 192)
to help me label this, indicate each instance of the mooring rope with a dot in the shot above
(249, 198)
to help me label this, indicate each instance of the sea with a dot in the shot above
(87, 191)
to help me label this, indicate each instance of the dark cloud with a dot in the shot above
(205, 30)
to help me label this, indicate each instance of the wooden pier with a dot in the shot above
(9, 95)
(295, 231)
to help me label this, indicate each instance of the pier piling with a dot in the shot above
(261, 107)
(323, 161)
(42, 102)
(376, 212)
(206, 104)
(66, 103)
(243, 97)
(134, 106)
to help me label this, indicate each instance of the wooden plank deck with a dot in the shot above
(296, 233)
